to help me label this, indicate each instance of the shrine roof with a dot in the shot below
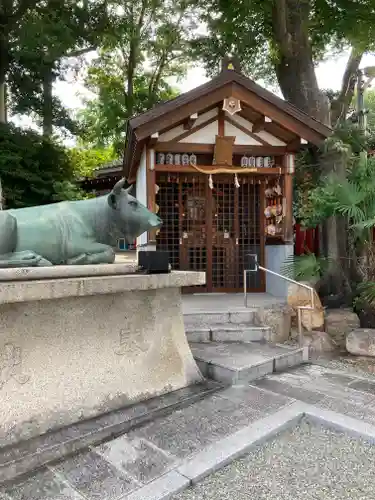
(229, 83)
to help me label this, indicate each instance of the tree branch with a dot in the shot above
(81, 52)
(340, 106)
(133, 55)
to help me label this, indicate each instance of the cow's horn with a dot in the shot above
(119, 185)
(130, 189)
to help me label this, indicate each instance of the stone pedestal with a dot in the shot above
(74, 348)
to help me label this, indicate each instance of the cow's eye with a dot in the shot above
(133, 203)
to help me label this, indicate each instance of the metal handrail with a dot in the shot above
(299, 308)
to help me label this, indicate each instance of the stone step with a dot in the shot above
(229, 333)
(204, 319)
(234, 363)
(27, 456)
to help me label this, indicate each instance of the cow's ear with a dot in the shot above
(112, 200)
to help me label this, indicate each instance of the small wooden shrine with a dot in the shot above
(217, 163)
(103, 178)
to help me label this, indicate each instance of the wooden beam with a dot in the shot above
(221, 121)
(247, 131)
(259, 125)
(189, 147)
(184, 111)
(296, 144)
(183, 147)
(150, 183)
(280, 132)
(189, 123)
(279, 116)
(153, 139)
(194, 129)
(288, 204)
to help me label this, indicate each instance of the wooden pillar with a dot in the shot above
(209, 235)
(221, 125)
(150, 183)
(288, 165)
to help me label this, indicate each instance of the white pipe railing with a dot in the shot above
(299, 308)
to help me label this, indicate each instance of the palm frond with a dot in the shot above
(304, 267)
(349, 201)
(365, 224)
(367, 292)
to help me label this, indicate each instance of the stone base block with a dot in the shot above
(97, 349)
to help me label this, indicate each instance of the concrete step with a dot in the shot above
(229, 333)
(205, 319)
(233, 363)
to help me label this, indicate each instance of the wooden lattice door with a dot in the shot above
(212, 230)
(183, 207)
(236, 233)
(194, 209)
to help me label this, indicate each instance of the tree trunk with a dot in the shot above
(295, 72)
(3, 112)
(4, 58)
(294, 66)
(47, 100)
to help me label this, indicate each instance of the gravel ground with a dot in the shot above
(359, 366)
(307, 463)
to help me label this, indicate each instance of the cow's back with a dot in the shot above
(48, 230)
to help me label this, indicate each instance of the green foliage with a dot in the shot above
(370, 105)
(306, 267)
(33, 170)
(103, 119)
(45, 33)
(241, 28)
(353, 198)
(148, 43)
(247, 29)
(85, 161)
(366, 292)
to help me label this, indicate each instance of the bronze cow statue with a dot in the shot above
(73, 232)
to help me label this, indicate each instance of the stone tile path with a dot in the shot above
(142, 463)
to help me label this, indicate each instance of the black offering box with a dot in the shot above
(154, 261)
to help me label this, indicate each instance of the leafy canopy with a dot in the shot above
(34, 170)
(47, 33)
(103, 119)
(247, 28)
(85, 161)
(149, 42)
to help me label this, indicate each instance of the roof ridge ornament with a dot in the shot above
(230, 63)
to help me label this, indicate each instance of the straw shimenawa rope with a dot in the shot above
(241, 170)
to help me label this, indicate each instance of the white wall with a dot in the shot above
(206, 135)
(142, 191)
(241, 137)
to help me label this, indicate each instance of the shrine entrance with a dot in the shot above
(212, 227)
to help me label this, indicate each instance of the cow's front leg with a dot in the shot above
(95, 254)
(26, 258)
